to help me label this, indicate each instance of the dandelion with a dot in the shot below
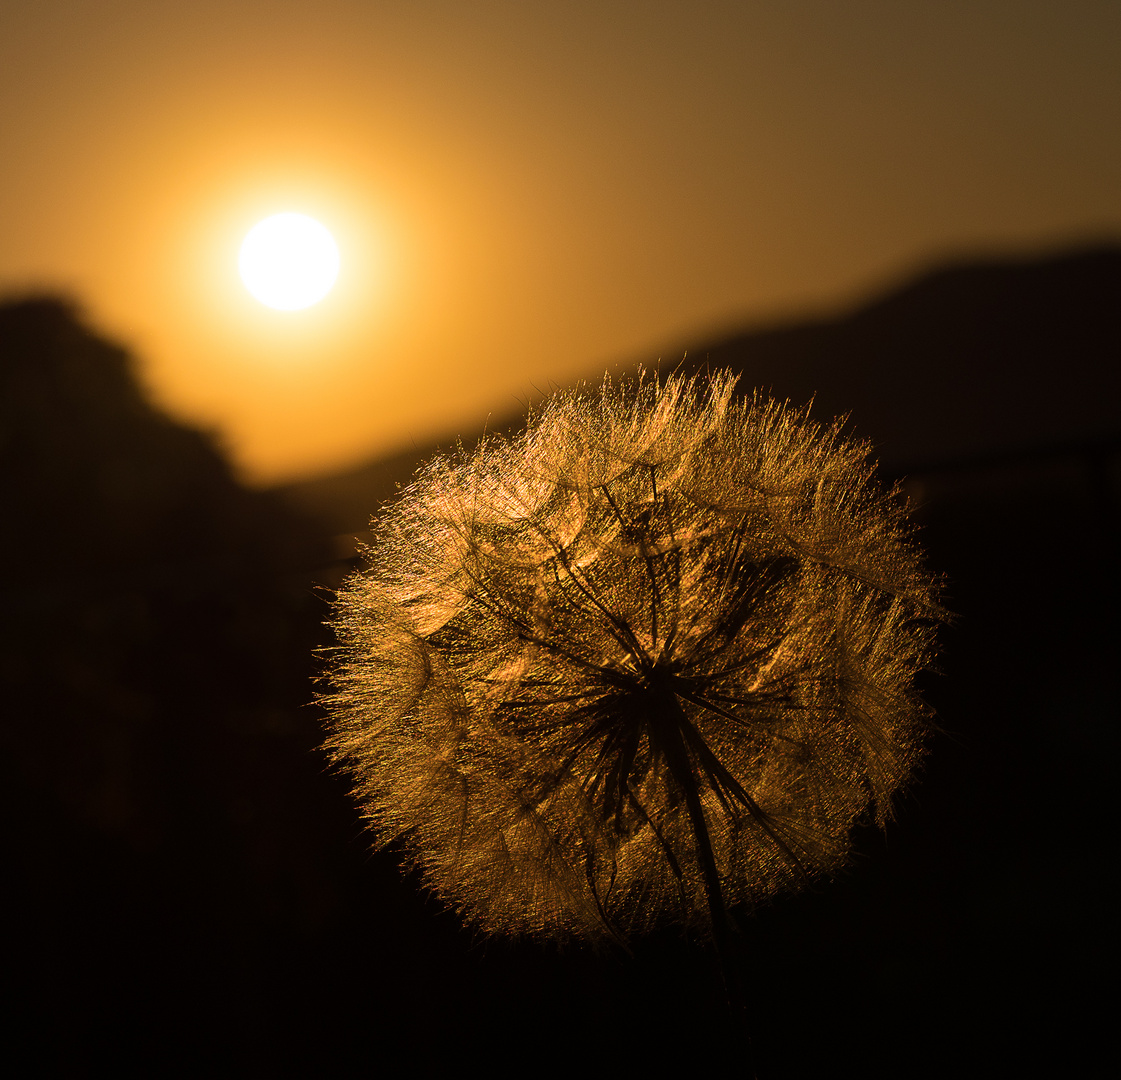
(648, 661)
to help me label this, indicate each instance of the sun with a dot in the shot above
(289, 261)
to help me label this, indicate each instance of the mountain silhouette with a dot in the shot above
(189, 890)
(968, 363)
(964, 944)
(157, 777)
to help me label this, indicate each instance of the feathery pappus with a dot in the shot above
(646, 661)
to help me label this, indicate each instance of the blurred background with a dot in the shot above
(909, 214)
(522, 193)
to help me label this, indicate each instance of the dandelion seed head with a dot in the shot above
(649, 660)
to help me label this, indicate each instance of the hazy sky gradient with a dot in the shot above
(522, 191)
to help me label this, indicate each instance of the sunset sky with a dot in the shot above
(521, 192)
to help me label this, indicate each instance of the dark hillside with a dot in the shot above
(966, 943)
(188, 890)
(969, 363)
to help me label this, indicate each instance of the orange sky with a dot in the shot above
(522, 192)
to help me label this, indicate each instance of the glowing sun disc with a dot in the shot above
(289, 261)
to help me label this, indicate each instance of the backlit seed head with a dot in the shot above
(650, 659)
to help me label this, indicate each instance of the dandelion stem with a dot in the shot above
(668, 722)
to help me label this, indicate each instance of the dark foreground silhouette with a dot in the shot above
(188, 890)
(158, 784)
